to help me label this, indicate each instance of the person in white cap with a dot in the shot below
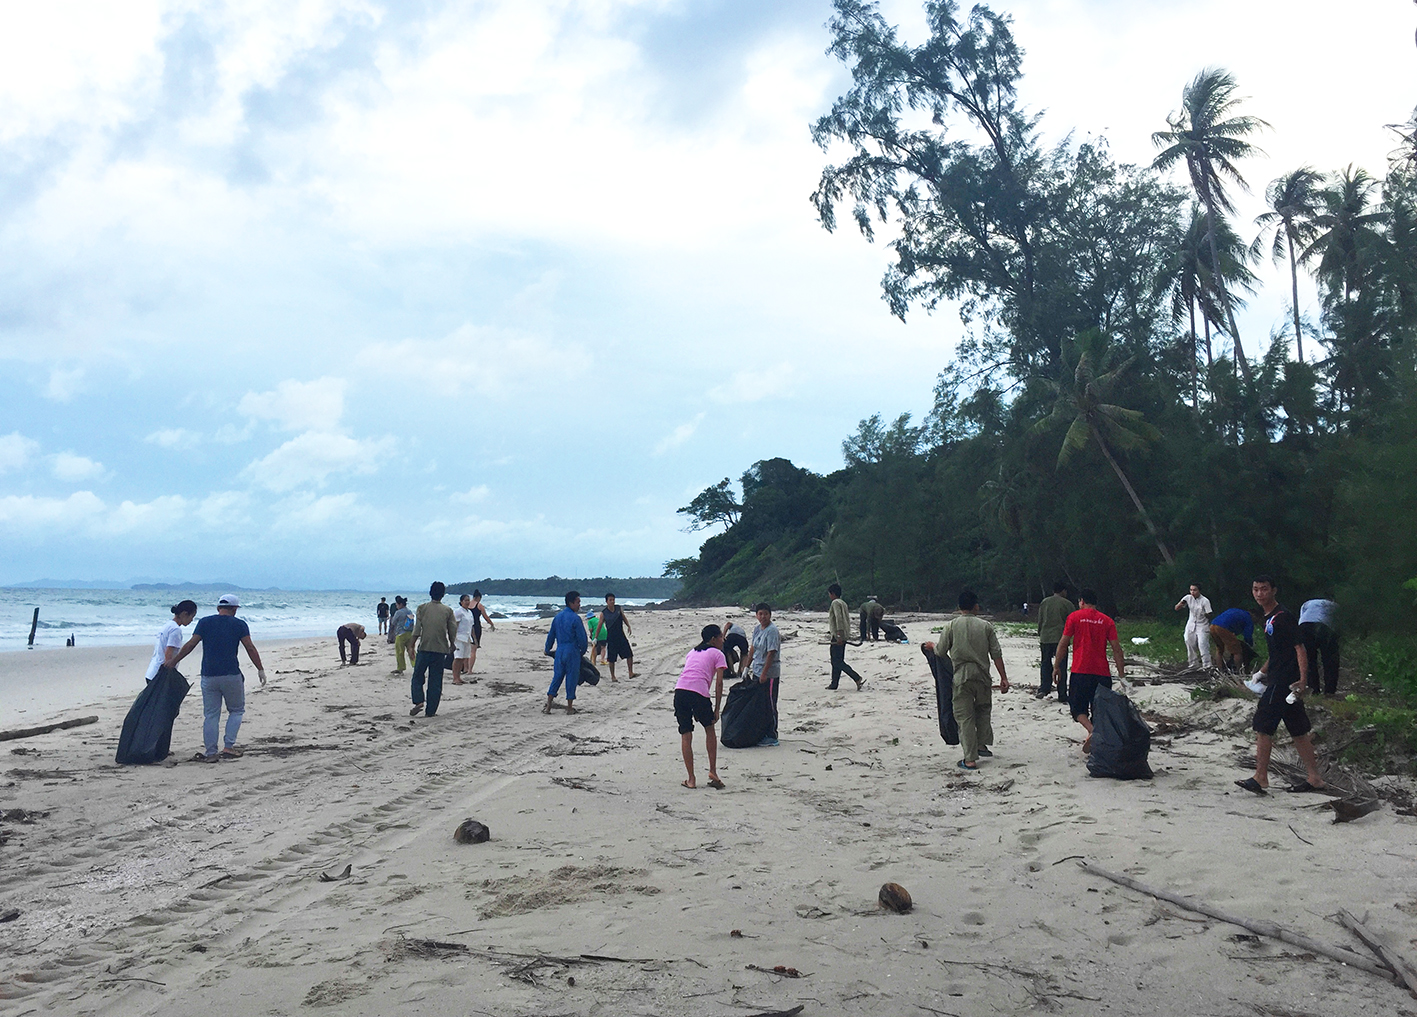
(222, 681)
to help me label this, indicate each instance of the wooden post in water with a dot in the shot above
(34, 624)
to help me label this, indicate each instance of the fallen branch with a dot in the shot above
(780, 969)
(1262, 928)
(30, 732)
(1300, 836)
(1399, 965)
(792, 1013)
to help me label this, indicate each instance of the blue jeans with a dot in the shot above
(431, 663)
(215, 688)
(568, 668)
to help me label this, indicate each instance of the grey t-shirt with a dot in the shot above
(765, 639)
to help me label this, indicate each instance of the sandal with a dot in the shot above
(1305, 788)
(201, 758)
(1253, 786)
(716, 784)
(231, 752)
(964, 765)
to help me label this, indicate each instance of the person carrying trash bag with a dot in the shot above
(943, 672)
(971, 643)
(147, 730)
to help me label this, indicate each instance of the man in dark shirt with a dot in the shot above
(220, 634)
(1052, 616)
(1286, 671)
(382, 610)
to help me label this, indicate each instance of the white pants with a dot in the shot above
(1197, 645)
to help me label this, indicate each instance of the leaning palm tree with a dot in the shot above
(1091, 419)
(1210, 140)
(1193, 284)
(1293, 201)
(1347, 229)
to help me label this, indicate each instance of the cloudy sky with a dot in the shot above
(350, 293)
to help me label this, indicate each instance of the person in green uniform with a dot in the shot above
(970, 643)
(871, 615)
(599, 635)
(838, 628)
(1052, 616)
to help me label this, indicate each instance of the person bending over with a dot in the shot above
(691, 701)
(351, 634)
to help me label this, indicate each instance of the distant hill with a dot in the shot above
(203, 587)
(68, 584)
(643, 588)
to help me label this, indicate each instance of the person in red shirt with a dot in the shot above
(1089, 632)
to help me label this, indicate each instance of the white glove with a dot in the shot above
(1258, 676)
(262, 676)
(1256, 683)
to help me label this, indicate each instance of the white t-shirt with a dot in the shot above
(1199, 608)
(463, 617)
(170, 635)
(1321, 611)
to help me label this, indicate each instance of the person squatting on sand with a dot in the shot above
(1197, 627)
(434, 632)
(565, 643)
(970, 643)
(1286, 672)
(838, 628)
(617, 628)
(222, 681)
(1233, 633)
(1089, 632)
(169, 637)
(401, 628)
(352, 634)
(1052, 616)
(691, 701)
(765, 660)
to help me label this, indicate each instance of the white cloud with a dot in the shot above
(678, 436)
(63, 384)
(473, 495)
(309, 459)
(15, 451)
(174, 437)
(308, 512)
(72, 468)
(493, 363)
(298, 405)
(755, 385)
(85, 513)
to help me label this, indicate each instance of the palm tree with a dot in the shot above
(1345, 231)
(1192, 278)
(1091, 419)
(1211, 140)
(1293, 204)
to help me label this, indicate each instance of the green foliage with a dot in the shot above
(713, 506)
(1165, 639)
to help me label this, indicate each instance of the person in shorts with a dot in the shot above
(735, 647)
(1089, 633)
(1286, 671)
(705, 662)
(599, 636)
(381, 610)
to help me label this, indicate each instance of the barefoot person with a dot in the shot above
(970, 643)
(478, 613)
(598, 636)
(691, 701)
(1286, 672)
(222, 682)
(617, 636)
(169, 637)
(735, 647)
(1089, 632)
(463, 647)
(566, 642)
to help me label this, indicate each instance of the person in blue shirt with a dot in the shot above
(1232, 633)
(220, 634)
(566, 642)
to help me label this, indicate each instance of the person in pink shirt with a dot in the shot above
(705, 663)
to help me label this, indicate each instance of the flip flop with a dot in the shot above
(691, 787)
(231, 752)
(1252, 785)
(1304, 788)
(417, 709)
(213, 758)
(963, 765)
(716, 784)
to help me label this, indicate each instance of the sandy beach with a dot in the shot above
(608, 888)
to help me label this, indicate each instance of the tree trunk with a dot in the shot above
(1218, 282)
(1195, 357)
(1209, 353)
(1141, 509)
(1294, 278)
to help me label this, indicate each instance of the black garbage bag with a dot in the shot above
(892, 633)
(944, 673)
(1120, 738)
(747, 715)
(590, 675)
(147, 730)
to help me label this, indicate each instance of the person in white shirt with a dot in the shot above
(169, 638)
(1197, 627)
(466, 643)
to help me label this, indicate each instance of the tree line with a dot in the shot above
(1104, 422)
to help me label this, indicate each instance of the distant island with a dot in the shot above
(642, 588)
(204, 588)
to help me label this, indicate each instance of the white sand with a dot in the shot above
(185, 888)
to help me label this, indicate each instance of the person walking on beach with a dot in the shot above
(565, 643)
(617, 636)
(478, 613)
(434, 632)
(352, 634)
(871, 615)
(401, 629)
(383, 612)
(1232, 632)
(1089, 632)
(464, 615)
(222, 681)
(1197, 626)
(691, 701)
(1318, 631)
(765, 660)
(1285, 672)
(169, 637)
(838, 628)
(970, 643)
(735, 647)
(1052, 616)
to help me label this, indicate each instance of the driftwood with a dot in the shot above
(1262, 928)
(30, 732)
(1393, 960)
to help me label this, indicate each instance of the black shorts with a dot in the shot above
(689, 706)
(1081, 689)
(1273, 708)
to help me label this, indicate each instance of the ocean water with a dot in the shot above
(125, 617)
